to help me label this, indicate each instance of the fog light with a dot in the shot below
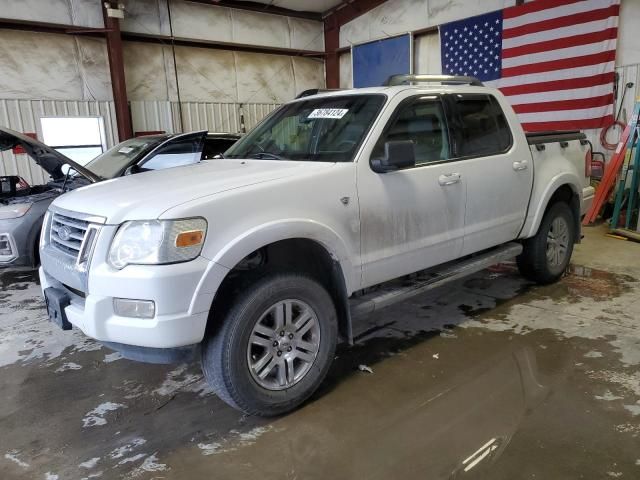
(6, 247)
(125, 307)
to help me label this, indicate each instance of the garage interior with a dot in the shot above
(490, 376)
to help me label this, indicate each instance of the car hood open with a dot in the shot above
(48, 158)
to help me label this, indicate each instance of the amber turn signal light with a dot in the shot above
(189, 239)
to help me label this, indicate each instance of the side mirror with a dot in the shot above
(397, 155)
(133, 169)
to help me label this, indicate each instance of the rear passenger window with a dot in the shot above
(423, 122)
(483, 129)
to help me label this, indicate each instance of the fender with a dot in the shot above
(262, 235)
(541, 199)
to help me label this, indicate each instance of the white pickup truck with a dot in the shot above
(264, 257)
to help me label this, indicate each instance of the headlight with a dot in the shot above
(155, 242)
(14, 210)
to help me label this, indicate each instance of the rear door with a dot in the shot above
(498, 173)
(413, 218)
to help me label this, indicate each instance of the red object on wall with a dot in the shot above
(18, 149)
(149, 132)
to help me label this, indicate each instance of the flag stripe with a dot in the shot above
(557, 95)
(567, 21)
(560, 64)
(559, 85)
(554, 11)
(575, 74)
(513, 12)
(557, 43)
(564, 32)
(567, 125)
(559, 54)
(573, 104)
(579, 114)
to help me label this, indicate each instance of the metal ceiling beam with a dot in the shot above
(236, 47)
(45, 27)
(262, 8)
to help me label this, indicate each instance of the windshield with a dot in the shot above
(326, 129)
(111, 163)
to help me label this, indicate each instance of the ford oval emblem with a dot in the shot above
(64, 233)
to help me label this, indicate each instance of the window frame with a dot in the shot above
(456, 122)
(435, 97)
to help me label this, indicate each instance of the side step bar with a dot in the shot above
(398, 290)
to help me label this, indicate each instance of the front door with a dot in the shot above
(412, 218)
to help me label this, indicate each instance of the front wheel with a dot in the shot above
(546, 256)
(274, 346)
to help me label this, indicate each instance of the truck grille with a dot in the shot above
(68, 234)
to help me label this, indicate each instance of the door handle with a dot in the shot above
(448, 179)
(523, 165)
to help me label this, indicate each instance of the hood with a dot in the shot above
(48, 158)
(148, 195)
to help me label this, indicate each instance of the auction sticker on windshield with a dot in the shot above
(328, 113)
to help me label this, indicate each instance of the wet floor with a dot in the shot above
(490, 377)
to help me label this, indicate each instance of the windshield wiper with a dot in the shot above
(267, 156)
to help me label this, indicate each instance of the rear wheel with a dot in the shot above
(546, 255)
(274, 346)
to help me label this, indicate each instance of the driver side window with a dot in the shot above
(423, 122)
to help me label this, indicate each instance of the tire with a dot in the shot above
(545, 256)
(233, 366)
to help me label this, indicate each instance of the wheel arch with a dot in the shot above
(561, 188)
(321, 256)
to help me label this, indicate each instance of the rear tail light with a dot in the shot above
(587, 163)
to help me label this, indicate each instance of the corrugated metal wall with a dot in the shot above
(215, 117)
(24, 116)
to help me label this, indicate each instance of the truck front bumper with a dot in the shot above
(182, 294)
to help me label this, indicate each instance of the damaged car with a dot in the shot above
(22, 206)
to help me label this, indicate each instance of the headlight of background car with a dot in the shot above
(154, 242)
(14, 210)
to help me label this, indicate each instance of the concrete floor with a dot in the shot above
(490, 377)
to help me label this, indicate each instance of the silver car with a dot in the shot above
(22, 206)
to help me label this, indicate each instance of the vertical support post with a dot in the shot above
(331, 45)
(116, 70)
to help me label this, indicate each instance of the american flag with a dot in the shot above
(554, 60)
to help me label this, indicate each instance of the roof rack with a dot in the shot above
(315, 91)
(408, 79)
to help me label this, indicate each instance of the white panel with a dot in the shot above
(193, 20)
(399, 16)
(208, 22)
(149, 71)
(628, 45)
(306, 34)
(308, 73)
(206, 75)
(346, 71)
(60, 67)
(146, 16)
(87, 13)
(24, 116)
(265, 78)
(259, 29)
(426, 50)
